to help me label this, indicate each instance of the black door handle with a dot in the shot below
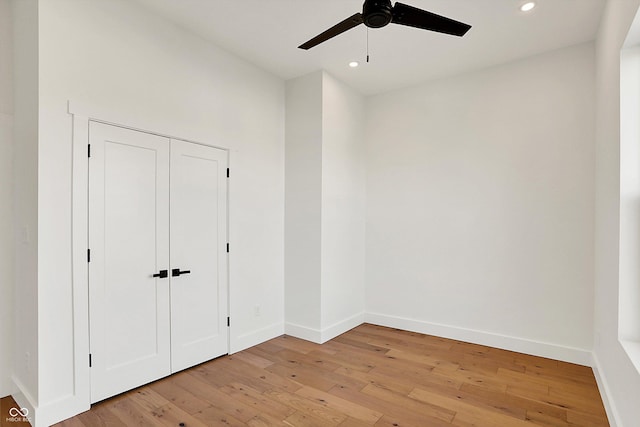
(176, 272)
(161, 274)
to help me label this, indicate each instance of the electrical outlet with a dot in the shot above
(256, 310)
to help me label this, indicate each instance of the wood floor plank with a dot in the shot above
(303, 419)
(545, 420)
(191, 399)
(466, 413)
(296, 344)
(130, 413)
(347, 358)
(386, 343)
(577, 418)
(354, 341)
(415, 340)
(357, 357)
(574, 402)
(228, 404)
(147, 398)
(260, 402)
(491, 400)
(312, 358)
(252, 359)
(578, 380)
(371, 375)
(302, 376)
(509, 403)
(354, 410)
(72, 422)
(170, 415)
(576, 369)
(311, 376)
(393, 414)
(464, 376)
(101, 416)
(211, 416)
(260, 379)
(263, 420)
(443, 363)
(376, 379)
(426, 408)
(308, 406)
(352, 422)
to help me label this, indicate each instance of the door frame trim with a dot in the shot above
(81, 116)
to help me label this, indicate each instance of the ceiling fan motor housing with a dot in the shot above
(377, 13)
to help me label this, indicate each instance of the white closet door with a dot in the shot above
(129, 241)
(199, 303)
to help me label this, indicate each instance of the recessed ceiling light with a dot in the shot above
(527, 6)
(353, 64)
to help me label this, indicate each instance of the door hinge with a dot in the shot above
(89, 359)
(88, 255)
(227, 172)
(89, 150)
(227, 248)
(228, 321)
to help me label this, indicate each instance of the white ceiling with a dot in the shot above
(267, 33)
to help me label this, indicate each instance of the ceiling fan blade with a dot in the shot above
(347, 24)
(404, 14)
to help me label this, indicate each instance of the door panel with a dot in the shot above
(199, 303)
(129, 241)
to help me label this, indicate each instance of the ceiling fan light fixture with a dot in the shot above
(528, 6)
(353, 64)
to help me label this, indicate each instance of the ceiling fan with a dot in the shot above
(378, 13)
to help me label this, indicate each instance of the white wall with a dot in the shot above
(480, 206)
(629, 326)
(325, 207)
(6, 50)
(618, 378)
(120, 59)
(7, 323)
(343, 207)
(303, 183)
(25, 154)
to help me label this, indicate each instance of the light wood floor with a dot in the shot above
(370, 375)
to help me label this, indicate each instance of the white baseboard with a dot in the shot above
(245, 341)
(303, 332)
(24, 399)
(605, 393)
(520, 345)
(320, 336)
(341, 327)
(61, 409)
(51, 412)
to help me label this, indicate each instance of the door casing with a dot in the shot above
(82, 114)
